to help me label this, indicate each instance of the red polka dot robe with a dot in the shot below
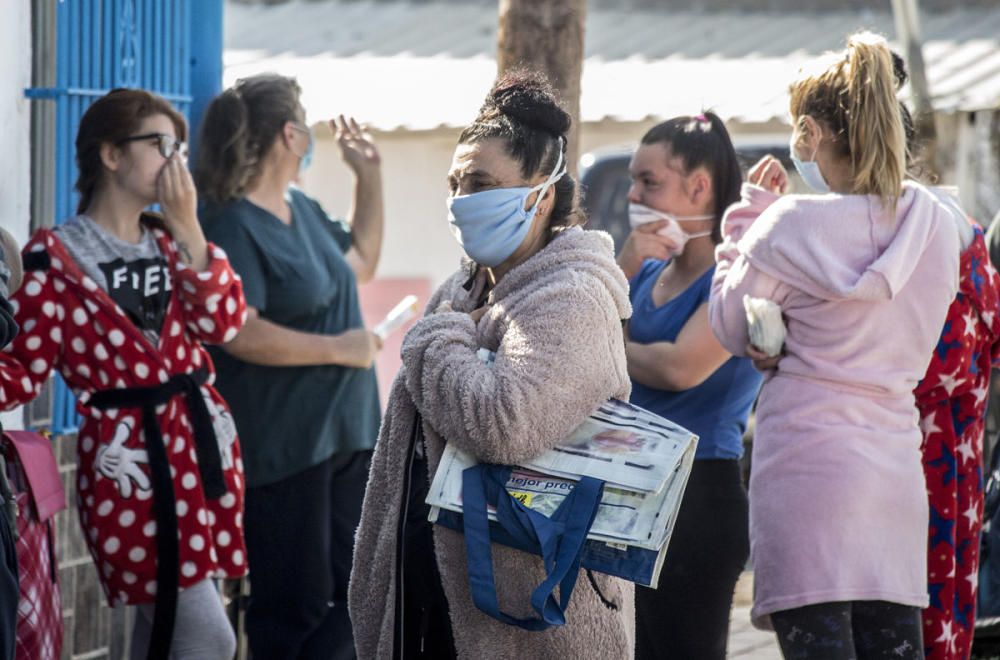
(951, 399)
(70, 323)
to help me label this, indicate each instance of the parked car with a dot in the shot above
(605, 181)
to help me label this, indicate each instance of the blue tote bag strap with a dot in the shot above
(559, 540)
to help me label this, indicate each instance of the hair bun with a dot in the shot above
(527, 97)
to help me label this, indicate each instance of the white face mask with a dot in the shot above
(639, 215)
(808, 170)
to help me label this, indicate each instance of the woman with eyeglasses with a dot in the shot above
(119, 300)
(299, 376)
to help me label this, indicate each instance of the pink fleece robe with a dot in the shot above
(838, 508)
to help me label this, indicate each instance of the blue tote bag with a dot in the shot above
(558, 539)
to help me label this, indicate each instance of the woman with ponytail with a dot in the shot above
(685, 174)
(864, 272)
(514, 352)
(299, 376)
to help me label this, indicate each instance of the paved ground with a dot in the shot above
(745, 641)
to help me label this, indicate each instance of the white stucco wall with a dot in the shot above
(15, 132)
(417, 240)
(15, 118)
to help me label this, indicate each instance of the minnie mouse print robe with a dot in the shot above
(68, 322)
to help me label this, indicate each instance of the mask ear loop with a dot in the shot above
(812, 159)
(662, 215)
(557, 173)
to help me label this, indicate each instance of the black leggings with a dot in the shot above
(9, 589)
(687, 616)
(850, 630)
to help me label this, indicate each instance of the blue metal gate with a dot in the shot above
(100, 45)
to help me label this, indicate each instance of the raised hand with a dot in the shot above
(179, 203)
(769, 174)
(645, 243)
(356, 146)
(122, 464)
(177, 195)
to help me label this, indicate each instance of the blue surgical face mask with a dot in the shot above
(308, 155)
(808, 170)
(491, 225)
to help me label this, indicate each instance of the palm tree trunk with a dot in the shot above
(547, 36)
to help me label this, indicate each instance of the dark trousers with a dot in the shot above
(423, 622)
(687, 616)
(850, 630)
(300, 543)
(9, 589)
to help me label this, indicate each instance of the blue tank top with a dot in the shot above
(718, 409)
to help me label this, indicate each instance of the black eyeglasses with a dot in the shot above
(167, 145)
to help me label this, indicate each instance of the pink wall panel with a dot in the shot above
(377, 298)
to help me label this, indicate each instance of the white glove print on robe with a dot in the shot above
(123, 464)
(225, 429)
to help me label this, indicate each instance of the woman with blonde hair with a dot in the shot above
(864, 273)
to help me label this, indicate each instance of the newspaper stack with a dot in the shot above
(645, 461)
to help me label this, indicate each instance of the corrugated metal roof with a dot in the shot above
(420, 66)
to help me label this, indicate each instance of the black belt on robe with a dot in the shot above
(164, 505)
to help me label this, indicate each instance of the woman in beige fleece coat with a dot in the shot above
(549, 300)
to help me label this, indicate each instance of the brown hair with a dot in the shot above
(113, 118)
(239, 127)
(523, 111)
(703, 141)
(855, 96)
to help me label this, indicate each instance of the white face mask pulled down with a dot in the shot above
(639, 215)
